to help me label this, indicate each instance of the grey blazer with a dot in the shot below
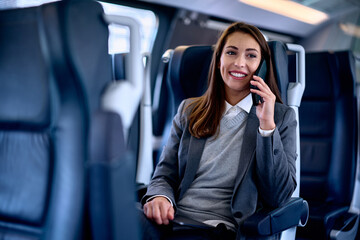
(266, 174)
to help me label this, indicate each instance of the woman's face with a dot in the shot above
(239, 60)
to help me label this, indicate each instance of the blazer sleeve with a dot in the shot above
(166, 178)
(275, 161)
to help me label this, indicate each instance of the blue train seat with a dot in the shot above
(64, 166)
(328, 133)
(44, 124)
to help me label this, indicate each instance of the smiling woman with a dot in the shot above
(209, 132)
(239, 60)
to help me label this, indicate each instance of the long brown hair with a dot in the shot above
(208, 109)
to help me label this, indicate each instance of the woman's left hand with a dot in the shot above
(265, 110)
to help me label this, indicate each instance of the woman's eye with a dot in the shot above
(230, 53)
(252, 55)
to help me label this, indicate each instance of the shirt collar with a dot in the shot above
(244, 104)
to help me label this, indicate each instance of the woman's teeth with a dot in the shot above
(237, 74)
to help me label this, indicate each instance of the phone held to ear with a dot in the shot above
(261, 72)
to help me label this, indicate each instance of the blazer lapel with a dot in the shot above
(196, 148)
(248, 145)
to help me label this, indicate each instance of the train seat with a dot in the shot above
(43, 134)
(328, 133)
(64, 166)
(110, 209)
(187, 77)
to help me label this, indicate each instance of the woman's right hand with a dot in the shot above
(159, 210)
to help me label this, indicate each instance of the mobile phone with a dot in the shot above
(261, 72)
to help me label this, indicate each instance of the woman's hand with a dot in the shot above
(265, 110)
(159, 210)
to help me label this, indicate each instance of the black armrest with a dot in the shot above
(345, 227)
(293, 213)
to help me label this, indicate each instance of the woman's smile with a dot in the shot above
(237, 74)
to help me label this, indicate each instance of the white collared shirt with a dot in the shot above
(244, 105)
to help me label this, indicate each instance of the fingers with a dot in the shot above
(167, 213)
(264, 90)
(147, 210)
(159, 210)
(171, 213)
(265, 110)
(260, 83)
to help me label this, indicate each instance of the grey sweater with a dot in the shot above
(209, 196)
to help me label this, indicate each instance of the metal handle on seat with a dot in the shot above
(296, 90)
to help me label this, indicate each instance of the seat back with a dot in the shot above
(43, 132)
(51, 88)
(188, 71)
(111, 167)
(328, 128)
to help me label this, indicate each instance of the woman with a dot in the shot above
(226, 157)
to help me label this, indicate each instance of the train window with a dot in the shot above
(119, 35)
(7, 4)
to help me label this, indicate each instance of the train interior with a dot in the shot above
(88, 90)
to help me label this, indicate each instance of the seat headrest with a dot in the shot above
(24, 89)
(330, 66)
(279, 59)
(188, 71)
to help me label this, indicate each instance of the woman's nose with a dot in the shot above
(240, 62)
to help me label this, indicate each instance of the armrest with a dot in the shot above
(293, 213)
(345, 227)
